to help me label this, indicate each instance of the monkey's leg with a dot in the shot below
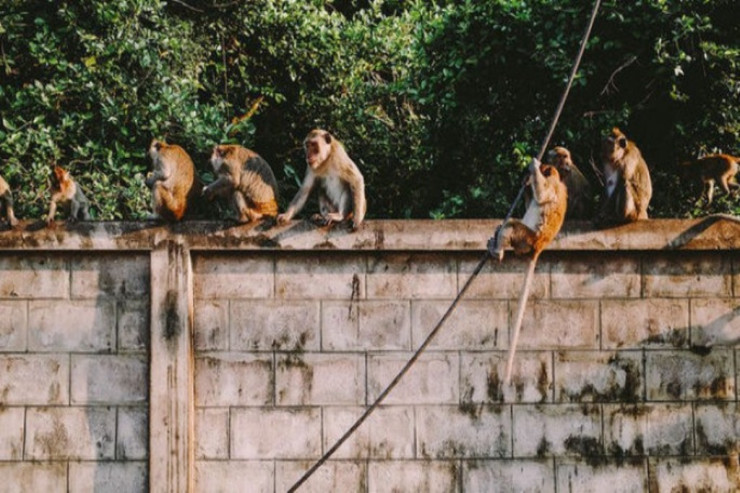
(176, 207)
(74, 209)
(7, 198)
(327, 211)
(523, 296)
(710, 191)
(243, 211)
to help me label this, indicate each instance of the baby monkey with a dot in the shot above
(68, 194)
(714, 169)
(6, 203)
(247, 179)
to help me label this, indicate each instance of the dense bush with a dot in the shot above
(440, 103)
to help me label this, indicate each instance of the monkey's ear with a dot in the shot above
(622, 142)
(157, 145)
(327, 137)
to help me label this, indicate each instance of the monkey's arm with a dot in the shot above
(300, 198)
(161, 174)
(53, 207)
(359, 204)
(539, 182)
(220, 187)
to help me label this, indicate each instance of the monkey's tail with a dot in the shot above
(523, 296)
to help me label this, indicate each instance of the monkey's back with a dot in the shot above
(259, 185)
(181, 181)
(716, 165)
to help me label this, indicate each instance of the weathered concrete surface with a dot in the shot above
(710, 233)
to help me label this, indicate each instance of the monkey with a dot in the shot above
(245, 177)
(68, 194)
(172, 180)
(341, 184)
(6, 203)
(579, 189)
(714, 168)
(543, 218)
(627, 185)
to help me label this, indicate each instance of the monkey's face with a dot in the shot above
(154, 149)
(550, 173)
(318, 148)
(58, 176)
(560, 158)
(614, 146)
(217, 157)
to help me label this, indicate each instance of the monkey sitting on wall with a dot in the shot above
(579, 189)
(627, 185)
(6, 203)
(173, 181)
(68, 194)
(712, 169)
(247, 179)
(341, 185)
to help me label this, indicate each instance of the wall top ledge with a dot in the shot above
(709, 233)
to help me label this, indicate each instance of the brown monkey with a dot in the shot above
(542, 220)
(579, 189)
(6, 203)
(172, 180)
(627, 185)
(342, 187)
(247, 179)
(68, 194)
(715, 168)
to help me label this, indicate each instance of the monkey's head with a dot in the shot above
(155, 148)
(219, 155)
(550, 172)
(560, 158)
(318, 146)
(58, 176)
(614, 146)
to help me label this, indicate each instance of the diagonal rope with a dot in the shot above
(467, 284)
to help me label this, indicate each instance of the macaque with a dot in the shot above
(542, 221)
(715, 168)
(342, 187)
(68, 194)
(579, 189)
(173, 181)
(247, 179)
(6, 203)
(627, 187)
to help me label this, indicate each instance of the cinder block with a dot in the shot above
(559, 325)
(683, 375)
(110, 274)
(109, 379)
(596, 275)
(333, 475)
(11, 433)
(587, 376)
(133, 325)
(233, 276)
(509, 476)
(132, 435)
(715, 322)
(680, 474)
(37, 379)
(650, 322)
(274, 325)
(717, 428)
(387, 434)
(123, 477)
(428, 476)
(688, 275)
(626, 429)
(365, 325)
(412, 276)
(669, 430)
(211, 325)
(446, 432)
(25, 275)
(234, 476)
(324, 275)
(13, 326)
(79, 326)
(503, 280)
(212, 433)
(70, 433)
(22, 477)
(553, 430)
(483, 374)
(624, 478)
(474, 324)
(434, 378)
(275, 433)
(320, 379)
(233, 379)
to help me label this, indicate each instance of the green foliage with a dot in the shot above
(440, 103)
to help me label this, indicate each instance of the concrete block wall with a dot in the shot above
(73, 371)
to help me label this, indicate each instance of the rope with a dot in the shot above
(465, 287)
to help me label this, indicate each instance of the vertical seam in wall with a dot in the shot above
(693, 428)
(115, 432)
(513, 428)
(554, 474)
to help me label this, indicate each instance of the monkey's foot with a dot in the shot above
(320, 220)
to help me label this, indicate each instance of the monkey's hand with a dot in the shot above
(494, 245)
(534, 165)
(207, 192)
(283, 218)
(150, 180)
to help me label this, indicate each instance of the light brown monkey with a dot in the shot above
(6, 203)
(627, 185)
(579, 189)
(342, 186)
(247, 179)
(67, 193)
(172, 181)
(712, 169)
(542, 221)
